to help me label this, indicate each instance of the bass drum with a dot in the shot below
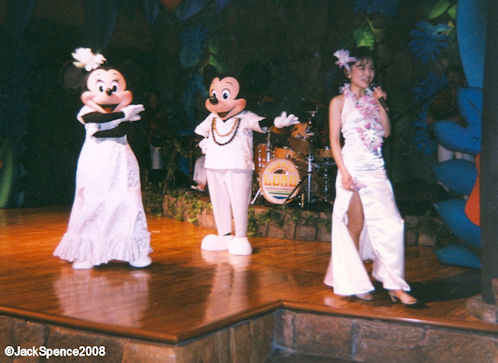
(278, 180)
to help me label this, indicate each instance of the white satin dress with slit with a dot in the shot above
(382, 237)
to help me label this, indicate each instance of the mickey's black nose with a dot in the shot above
(108, 91)
(213, 100)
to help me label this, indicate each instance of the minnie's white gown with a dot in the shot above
(382, 237)
(107, 220)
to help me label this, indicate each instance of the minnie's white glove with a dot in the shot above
(283, 120)
(132, 112)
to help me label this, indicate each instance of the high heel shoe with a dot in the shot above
(405, 299)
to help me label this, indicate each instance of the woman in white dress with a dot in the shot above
(366, 224)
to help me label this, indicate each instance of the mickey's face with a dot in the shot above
(223, 98)
(106, 91)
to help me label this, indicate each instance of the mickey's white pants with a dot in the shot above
(200, 176)
(230, 190)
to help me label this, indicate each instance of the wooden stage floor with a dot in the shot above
(187, 292)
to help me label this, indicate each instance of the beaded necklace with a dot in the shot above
(215, 132)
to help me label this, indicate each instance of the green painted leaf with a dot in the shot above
(213, 46)
(364, 37)
(438, 8)
(452, 12)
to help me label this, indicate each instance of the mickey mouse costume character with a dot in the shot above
(107, 219)
(229, 162)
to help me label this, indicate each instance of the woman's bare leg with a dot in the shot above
(355, 226)
(355, 218)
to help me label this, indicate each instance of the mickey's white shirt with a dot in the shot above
(237, 154)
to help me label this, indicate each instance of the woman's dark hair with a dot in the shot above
(362, 53)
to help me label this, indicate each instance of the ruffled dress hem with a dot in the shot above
(99, 250)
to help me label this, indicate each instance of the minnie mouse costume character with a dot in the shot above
(107, 219)
(229, 162)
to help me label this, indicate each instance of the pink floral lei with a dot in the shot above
(372, 130)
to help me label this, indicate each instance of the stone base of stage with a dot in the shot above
(250, 341)
(283, 332)
(364, 340)
(293, 223)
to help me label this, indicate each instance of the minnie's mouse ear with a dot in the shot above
(72, 77)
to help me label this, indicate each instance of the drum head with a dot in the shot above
(279, 180)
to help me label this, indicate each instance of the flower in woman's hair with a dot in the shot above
(86, 59)
(344, 59)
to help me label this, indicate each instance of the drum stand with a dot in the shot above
(268, 158)
(326, 170)
(307, 178)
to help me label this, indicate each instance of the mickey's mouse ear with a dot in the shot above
(72, 77)
(209, 72)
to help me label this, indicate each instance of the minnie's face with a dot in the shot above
(223, 98)
(106, 91)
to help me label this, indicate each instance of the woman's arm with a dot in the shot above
(335, 110)
(384, 117)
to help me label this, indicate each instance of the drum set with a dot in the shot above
(297, 170)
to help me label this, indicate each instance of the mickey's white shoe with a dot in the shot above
(240, 246)
(213, 242)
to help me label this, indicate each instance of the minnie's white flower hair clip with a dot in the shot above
(344, 59)
(86, 59)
